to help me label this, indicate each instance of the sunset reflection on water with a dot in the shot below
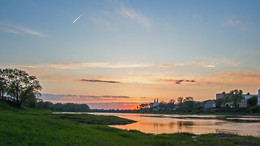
(197, 124)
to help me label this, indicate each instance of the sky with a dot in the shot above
(117, 54)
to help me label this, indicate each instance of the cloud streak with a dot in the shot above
(8, 30)
(205, 63)
(101, 65)
(78, 17)
(70, 97)
(16, 29)
(100, 81)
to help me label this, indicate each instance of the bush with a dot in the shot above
(254, 109)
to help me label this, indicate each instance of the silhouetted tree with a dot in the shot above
(3, 84)
(20, 84)
(144, 105)
(171, 103)
(187, 105)
(187, 99)
(180, 99)
(29, 99)
(163, 105)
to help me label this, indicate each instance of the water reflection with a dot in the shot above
(197, 124)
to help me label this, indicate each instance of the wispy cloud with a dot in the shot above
(99, 81)
(14, 28)
(8, 30)
(205, 63)
(70, 97)
(236, 23)
(236, 78)
(212, 62)
(78, 17)
(100, 65)
(221, 78)
(166, 76)
(134, 15)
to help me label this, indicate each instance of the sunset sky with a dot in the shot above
(118, 54)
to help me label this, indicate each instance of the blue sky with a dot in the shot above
(146, 44)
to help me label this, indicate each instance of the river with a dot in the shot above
(197, 124)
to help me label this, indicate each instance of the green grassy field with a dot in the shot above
(37, 127)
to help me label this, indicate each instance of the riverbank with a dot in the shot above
(37, 127)
(254, 111)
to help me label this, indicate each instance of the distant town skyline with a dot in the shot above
(119, 53)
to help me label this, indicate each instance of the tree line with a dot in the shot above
(67, 107)
(186, 104)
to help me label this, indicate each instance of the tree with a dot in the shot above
(171, 103)
(28, 98)
(20, 85)
(144, 105)
(235, 96)
(252, 101)
(3, 85)
(180, 99)
(187, 105)
(163, 104)
(187, 99)
(67, 107)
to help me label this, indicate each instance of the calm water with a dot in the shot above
(197, 124)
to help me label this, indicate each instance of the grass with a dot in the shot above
(24, 126)
(93, 119)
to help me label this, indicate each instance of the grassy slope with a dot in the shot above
(37, 127)
(97, 120)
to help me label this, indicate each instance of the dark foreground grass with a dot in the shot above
(37, 127)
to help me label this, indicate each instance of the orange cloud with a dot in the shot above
(237, 78)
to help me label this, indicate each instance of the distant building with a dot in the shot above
(220, 95)
(248, 96)
(209, 104)
(258, 98)
(156, 104)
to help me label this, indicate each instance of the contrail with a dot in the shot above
(78, 17)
